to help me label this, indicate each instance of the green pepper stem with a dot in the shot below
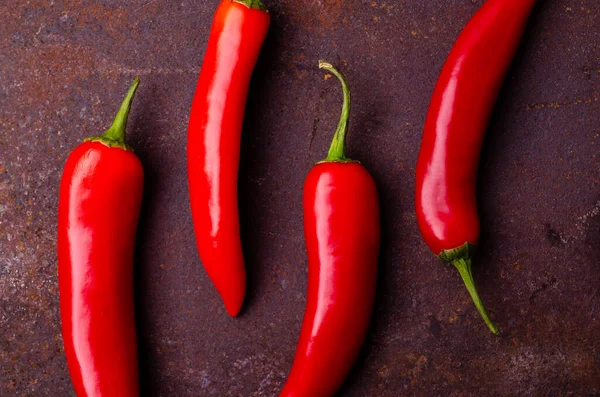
(337, 150)
(464, 268)
(252, 4)
(116, 132)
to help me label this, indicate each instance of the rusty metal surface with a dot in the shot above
(64, 67)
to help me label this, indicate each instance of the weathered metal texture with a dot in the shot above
(64, 67)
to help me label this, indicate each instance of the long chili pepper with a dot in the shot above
(238, 31)
(99, 207)
(342, 231)
(459, 113)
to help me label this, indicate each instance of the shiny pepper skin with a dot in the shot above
(342, 231)
(99, 207)
(462, 103)
(214, 136)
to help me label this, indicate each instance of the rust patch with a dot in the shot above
(322, 15)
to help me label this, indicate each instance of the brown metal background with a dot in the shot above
(64, 68)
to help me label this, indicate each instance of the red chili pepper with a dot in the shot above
(342, 231)
(238, 31)
(459, 113)
(99, 207)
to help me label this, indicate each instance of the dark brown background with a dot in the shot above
(64, 68)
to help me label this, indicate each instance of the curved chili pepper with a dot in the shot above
(215, 127)
(342, 231)
(459, 113)
(99, 207)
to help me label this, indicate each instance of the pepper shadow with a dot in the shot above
(143, 130)
(365, 147)
(492, 152)
(253, 158)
